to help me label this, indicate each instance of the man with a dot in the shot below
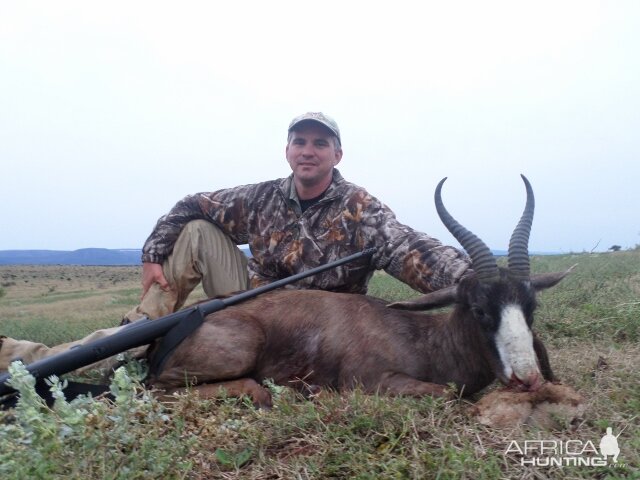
(293, 224)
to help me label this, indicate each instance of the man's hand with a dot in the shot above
(152, 273)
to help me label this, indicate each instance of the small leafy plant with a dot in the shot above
(131, 437)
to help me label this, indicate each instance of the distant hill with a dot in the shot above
(84, 256)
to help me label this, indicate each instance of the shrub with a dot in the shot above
(132, 437)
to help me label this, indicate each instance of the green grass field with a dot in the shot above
(590, 324)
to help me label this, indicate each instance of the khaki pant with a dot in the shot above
(202, 253)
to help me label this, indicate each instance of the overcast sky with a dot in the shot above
(110, 112)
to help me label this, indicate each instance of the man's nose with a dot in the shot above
(308, 150)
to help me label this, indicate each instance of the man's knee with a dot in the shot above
(204, 229)
(221, 265)
(199, 242)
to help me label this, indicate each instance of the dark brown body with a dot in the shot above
(305, 338)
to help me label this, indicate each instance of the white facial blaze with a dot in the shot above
(514, 342)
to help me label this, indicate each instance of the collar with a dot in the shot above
(288, 189)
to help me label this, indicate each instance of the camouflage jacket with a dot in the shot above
(284, 241)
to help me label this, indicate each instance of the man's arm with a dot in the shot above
(159, 244)
(413, 257)
(224, 208)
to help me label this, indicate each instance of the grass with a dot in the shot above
(601, 300)
(590, 324)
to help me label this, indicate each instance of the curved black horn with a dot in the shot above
(484, 264)
(518, 260)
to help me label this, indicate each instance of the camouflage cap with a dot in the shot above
(318, 117)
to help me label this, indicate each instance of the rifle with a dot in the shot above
(175, 327)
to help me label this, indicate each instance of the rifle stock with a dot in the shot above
(144, 331)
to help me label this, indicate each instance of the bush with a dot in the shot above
(131, 437)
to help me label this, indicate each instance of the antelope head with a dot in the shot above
(500, 300)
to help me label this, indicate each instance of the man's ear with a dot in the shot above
(338, 156)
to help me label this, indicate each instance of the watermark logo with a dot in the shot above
(561, 453)
(609, 445)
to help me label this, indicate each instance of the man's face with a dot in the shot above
(312, 154)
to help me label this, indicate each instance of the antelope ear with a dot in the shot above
(547, 280)
(439, 298)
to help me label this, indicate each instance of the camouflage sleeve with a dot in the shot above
(415, 258)
(224, 208)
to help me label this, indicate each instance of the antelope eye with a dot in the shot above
(483, 318)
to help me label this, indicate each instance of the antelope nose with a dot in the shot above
(530, 382)
(533, 381)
